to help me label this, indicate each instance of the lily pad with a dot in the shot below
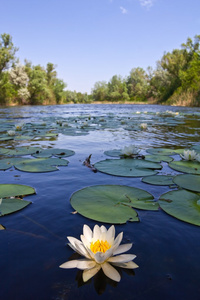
(161, 151)
(113, 153)
(127, 167)
(158, 158)
(112, 203)
(191, 167)
(15, 190)
(54, 152)
(9, 206)
(39, 165)
(8, 194)
(188, 181)
(159, 180)
(182, 205)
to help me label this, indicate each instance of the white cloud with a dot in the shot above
(123, 10)
(146, 3)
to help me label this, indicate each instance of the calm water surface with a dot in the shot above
(34, 242)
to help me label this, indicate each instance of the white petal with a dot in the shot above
(103, 229)
(128, 265)
(85, 241)
(99, 257)
(117, 241)
(75, 249)
(122, 258)
(96, 233)
(87, 274)
(122, 248)
(110, 234)
(111, 272)
(81, 250)
(87, 232)
(72, 240)
(69, 264)
(85, 264)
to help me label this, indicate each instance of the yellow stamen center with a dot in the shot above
(99, 246)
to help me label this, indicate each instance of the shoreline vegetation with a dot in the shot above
(175, 81)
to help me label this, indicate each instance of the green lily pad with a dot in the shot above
(191, 167)
(8, 194)
(112, 203)
(9, 206)
(127, 167)
(24, 150)
(182, 205)
(7, 163)
(188, 181)
(159, 180)
(113, 153)
(158, 158)
(39, 165)
(161, 151)
(54, 152)
(15, 190)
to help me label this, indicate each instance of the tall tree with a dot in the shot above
(7, 52)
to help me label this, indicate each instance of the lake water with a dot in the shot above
(34, 243)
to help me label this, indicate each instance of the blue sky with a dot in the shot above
(92, 40)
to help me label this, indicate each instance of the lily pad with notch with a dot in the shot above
(112, 203)
(188, 181)
(186, 166)
(11, 197)
(183, 205)
(128, 167)
(159, 180)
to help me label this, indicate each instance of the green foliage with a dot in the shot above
(175, 80)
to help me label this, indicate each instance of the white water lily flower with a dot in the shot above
(18, 127)
(11, 132)
(143, 125)
(129, 150)
(100, 249)
(189, 155)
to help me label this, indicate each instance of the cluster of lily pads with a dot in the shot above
(41, 160)
(117, 204)
(51, 127)
(108, 203)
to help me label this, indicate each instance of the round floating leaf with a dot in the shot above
(112, 203)
(7, 163)
(161, 151)
(40, 165)
(15, 190)
(188, 182)
(159, 180)
(191, 167)
(127, 167)
(54, 152)
(182, 205)
(158, 158)
(9, 206)
(23, 151)
(114, 152)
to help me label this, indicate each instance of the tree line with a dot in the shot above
(175, 80)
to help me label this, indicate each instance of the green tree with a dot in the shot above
(38, 87)
(100, 91)
(137, 84)
(7, 52)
